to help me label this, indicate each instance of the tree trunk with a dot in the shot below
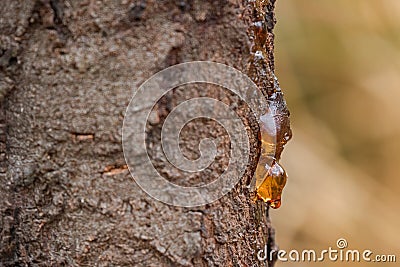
(68, 71)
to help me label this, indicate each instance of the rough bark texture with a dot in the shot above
(68, 69)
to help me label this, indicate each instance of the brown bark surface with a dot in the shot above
(68, 70)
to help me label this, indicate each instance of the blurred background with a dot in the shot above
(338, 63)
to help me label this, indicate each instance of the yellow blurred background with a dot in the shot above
(338, 63)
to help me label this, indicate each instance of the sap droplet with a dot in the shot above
(270, 177)
(271, 187)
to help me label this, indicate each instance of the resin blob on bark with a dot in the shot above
(269, 178)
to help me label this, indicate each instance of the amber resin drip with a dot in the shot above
(271, 187)
(269, 178)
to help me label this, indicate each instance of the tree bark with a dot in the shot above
(68, 70)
